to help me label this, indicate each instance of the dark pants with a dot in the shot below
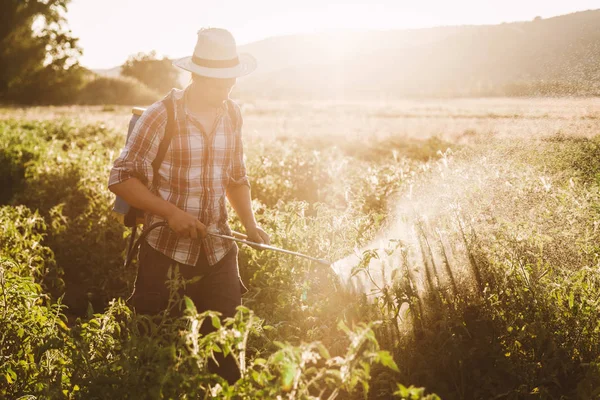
(219, 288)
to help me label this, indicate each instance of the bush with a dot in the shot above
(157, 74)
(125, 91)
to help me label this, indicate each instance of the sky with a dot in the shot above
(109, 31)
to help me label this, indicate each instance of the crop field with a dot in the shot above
(464, 236)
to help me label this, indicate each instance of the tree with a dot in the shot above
(38, 55)
(157, 74)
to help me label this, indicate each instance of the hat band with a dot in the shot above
(203, 62)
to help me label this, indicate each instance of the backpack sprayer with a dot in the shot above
(131, 216)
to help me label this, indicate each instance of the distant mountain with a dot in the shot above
(554, 56)
(559, 55)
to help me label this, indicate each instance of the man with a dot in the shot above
(203, 165)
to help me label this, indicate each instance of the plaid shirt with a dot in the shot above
(197, 169)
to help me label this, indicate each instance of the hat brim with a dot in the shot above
(246, 66)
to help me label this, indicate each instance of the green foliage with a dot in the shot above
(74, 221)
(18, 147)
(584, 160)
(33, 335)
(157, 74)
(23, 234)
(515, 327)
(340, 177)
(492, 292)
(413, 393)
(117, 354)
(65, 179)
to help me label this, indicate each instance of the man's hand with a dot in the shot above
(257, 235)
(186, 225)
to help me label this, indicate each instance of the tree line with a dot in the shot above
(39, 62)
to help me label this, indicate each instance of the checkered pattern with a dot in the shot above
(195, 174)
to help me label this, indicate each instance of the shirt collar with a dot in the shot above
(184, 96)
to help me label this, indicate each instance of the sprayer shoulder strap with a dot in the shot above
(165, 142)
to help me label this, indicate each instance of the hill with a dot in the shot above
(548, 57)
(556, 56)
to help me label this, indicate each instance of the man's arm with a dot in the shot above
(241, 201)
(238, 190)
(136, 194)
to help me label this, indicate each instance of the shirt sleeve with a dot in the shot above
(135, 161)
(238, 168)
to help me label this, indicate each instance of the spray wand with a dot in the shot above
(237, 237)
(241, 238)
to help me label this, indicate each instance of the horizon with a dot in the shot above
(279, 20)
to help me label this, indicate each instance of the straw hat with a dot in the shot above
(216, 56)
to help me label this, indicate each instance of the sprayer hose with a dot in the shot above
(133, 249)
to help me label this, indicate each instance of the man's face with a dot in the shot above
(214, 90)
